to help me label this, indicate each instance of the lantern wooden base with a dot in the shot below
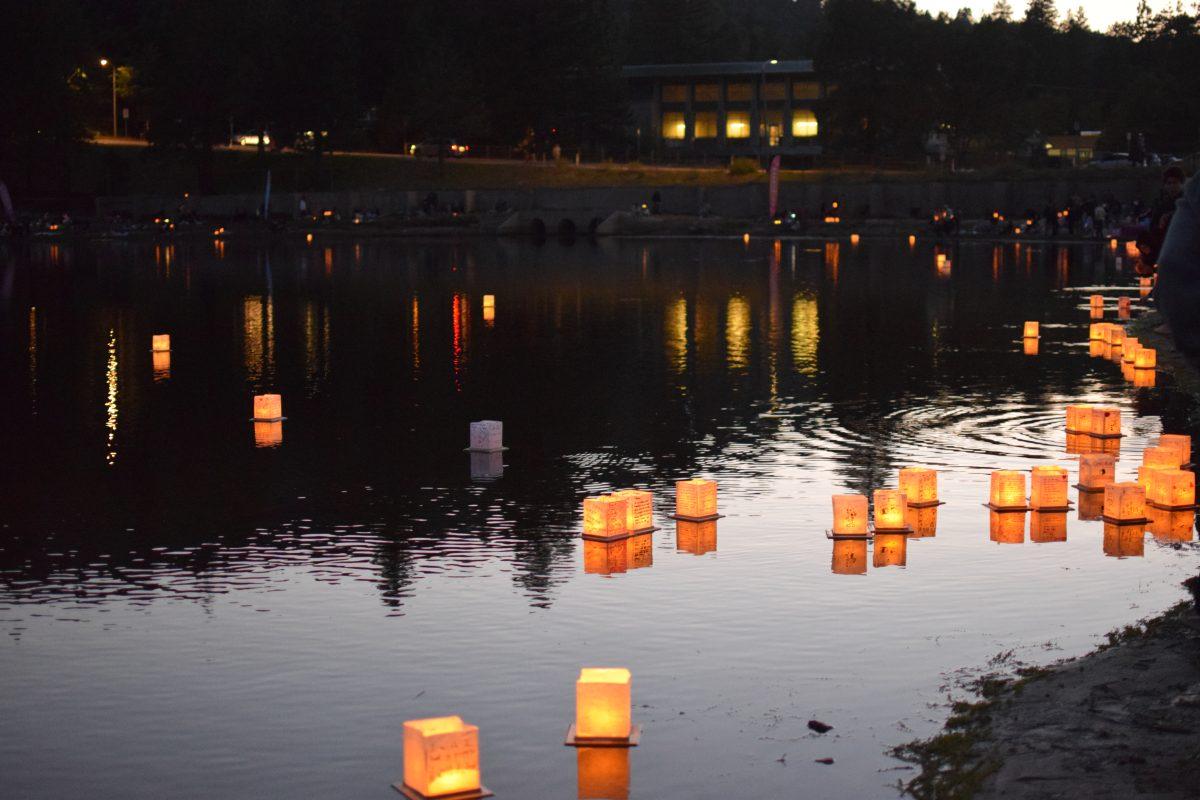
(635, 737)
(682, 518)
(267, 419)
(853, 537)
(927, 504)
(598, 537)
(1102, 435)
(1027, 338)
(1162, 507)
(905, 531)
(1122, 522)
(1008, 509)
(413, 794)
(484, 450)
(1054, 509)
(1089, 489)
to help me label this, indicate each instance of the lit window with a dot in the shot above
(740, 91)
(806, 90)
(737, 125)
(772, 127)
(706, 125)
(708, 92)
(804, 124)
(674, 125)
(675, 93)
(774, 90)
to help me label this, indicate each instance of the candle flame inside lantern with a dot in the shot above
(160, 342)
(849, 514)
(919, 485)
(1031, 330)
(1146, 358)
(602, 703)
(268, 407)
(696, 498)
(850, 556)
(441, 756)
(605, 516)
(890, 505)
(1124, 502)
(1008, 489)
(1048, 487)
(1096, 470)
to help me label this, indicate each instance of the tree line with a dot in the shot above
(377, 74)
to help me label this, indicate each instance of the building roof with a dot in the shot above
(719, 68)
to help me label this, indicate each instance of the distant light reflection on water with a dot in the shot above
(195, 605)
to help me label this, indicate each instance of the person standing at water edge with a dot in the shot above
(1178, 289)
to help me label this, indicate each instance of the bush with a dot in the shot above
(743, 166)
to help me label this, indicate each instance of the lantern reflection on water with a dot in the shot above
(1096, 348)
(922, 520)
(486, 466)
(268, 434)
(1048, 488)
(1144, 286)
(1091, 505)
(1144, 378)
(1124, 541)
(1128, 372)
(850, 556)
(1096, 312)
(1179, 442)
(605, 558)
(1096, 470)
(696, 538)
(919, 485)
(849, 515)
(1007, 490)
(1030, 346)
(639, 509)
(890, 550)
(1171, 526)
(639, 551)
(1146, 358)
(696, 499)
(1124, 502)
(1129, 350)
(1048, 526)
(1096, 301)
(268, 408)
(889, 509)
(441, 757)
(603, 773)
(1079, 418)
(1006, 528)
(161, 362)
(1114, 335)
(603, 701)
(605, 517)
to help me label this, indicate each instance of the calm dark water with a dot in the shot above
(189, 615)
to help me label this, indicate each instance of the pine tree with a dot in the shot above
(1041, 13)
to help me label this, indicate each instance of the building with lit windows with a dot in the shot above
(696, 112)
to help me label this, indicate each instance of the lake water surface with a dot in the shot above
(187, 614)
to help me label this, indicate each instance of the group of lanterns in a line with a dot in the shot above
(441, 754)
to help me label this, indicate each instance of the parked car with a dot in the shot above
(251, 139)
(1111, 161)
(431, 147)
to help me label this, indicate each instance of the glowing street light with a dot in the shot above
(104, 63)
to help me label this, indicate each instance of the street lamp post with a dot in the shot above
(762, 84)
(104, 63)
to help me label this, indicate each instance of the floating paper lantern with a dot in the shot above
(940, 258)
(605, 516)
(1096, 301)
(889, 509)
(849, 515)
(1007, 490)
(1112, 244)
(1147, 478)
(1079, 418)
(1171, 526)
(1091, 505)
(602, 705)
(1031, 330)
(1124, 502)
(919, 485)
(160, 342)
(890, 550)
(1127, 371)
(1048, 488)
(1146, 358)
(696, 499)
(850, 556)
(922, 520)
(605, 558)
(1179, 442)
(1096, 470)
(1144, 287)
(639, 551)
(489, 315)
(1006, 528)
(161, 363)
(1096, 312)
(1096, 348)
(1106, 421)
(1131, 249)
(1048, 526)
(1097, 331)
(745, 238)
(489, 301)
(441, 757)
(1124, 541)
(912, 240)
(1174, 489)
(1030, 346)
(1129, 350)
(268, 407)
(487, 436)
(603, 773)
(639, 509)
(854, 238)
(268, 434)
(1164, 457)
(696, 538)
(1114, 335)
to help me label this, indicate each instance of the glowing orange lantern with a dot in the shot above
(941, 260)
(1079, 418)
(849, 515)
(1144, 287)
(1097, 301)
(696, 538)
(1129, 350)
(1114, 335)
(489, 301)
(1031, 330)
(1096, 348)
(1096, 312)
(268, 407)
(486, 436)
(1007, 490)
(696, 499)
(605, 557)
(1006, 528)
(603, 773)
(889, 509)
(602, 708)
(1124, 502)
(1030, 346)
(605, 517)
(919, 485)
(890, 550)
(160, 342)
(1179, 442)
(161, 362)
(1164, 457)
(854, 238)
(1112, 244)
(268, 434)
(1127, 371)
(1131, 249)
(745, 238)
(1146, 358)
(850, 556)
(1048, 526)
(441, 757)
(1124, 541)
(922, 520)
(639, 509)
(1173, 489)
(1048, 489)
(912, 240)
(1106, 421)
(1096, 470)
(1091, 505)
(639, 551)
